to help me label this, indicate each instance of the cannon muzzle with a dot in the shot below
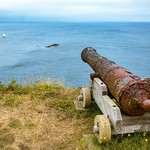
(131, 92)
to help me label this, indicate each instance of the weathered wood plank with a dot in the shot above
(121, 123)
(107, 106)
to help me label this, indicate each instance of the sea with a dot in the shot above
(24, 56)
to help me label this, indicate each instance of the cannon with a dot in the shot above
(123, 98)
(131, 92)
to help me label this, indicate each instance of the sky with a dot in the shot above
(75, 10)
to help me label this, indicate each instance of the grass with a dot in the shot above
(41, 116)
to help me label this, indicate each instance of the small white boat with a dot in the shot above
(4, 35)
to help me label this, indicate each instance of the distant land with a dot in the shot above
(19, 18)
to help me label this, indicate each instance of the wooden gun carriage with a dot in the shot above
(129, 109)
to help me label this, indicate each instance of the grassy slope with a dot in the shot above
(42, 117)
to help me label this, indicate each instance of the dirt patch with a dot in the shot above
(41, 122)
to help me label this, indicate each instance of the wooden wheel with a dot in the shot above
(104, 128)
(86, 94)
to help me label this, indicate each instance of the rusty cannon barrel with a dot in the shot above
(131, 92)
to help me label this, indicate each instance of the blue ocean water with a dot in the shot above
(23, 55)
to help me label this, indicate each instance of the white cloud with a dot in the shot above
(35, 4)
(78, 9)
